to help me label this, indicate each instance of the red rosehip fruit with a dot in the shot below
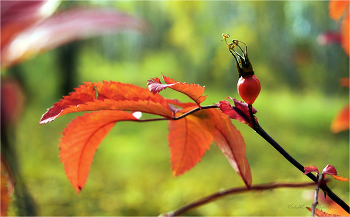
(248, 88)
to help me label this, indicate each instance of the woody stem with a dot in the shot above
(237, 190)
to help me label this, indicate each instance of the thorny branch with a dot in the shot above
(223, 193)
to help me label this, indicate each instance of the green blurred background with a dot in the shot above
(131, 172)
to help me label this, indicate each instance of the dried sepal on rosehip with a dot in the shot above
(248, 85)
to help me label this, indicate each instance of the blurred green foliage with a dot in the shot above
(131, 172)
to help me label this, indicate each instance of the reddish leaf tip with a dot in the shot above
(155, 86)
(310, 169)
(193, 91)
(329, 169)
(239, 112)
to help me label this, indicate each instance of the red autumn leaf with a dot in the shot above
(234, 113)
(344, 82)
(62, 28)
(329, 37)
(225, 135)
(341, 120)
(329, 169)
(339, 178)
(242, 106)
(111, 96)
(176, 106)
(335, 208)
(18, 15)
(320, 213)
(146, 106)
(155, 86)
(239, 112)
(80, 140)
(7, 186)
(85, 93)
(194, 91)
(180, 104)
(189, 138)
(231, 144)
(337, 8)
(12, 101)
(310, 169)
(5, 197)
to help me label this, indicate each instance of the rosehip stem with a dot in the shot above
(300, 167)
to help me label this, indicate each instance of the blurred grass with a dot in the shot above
(131, 172)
